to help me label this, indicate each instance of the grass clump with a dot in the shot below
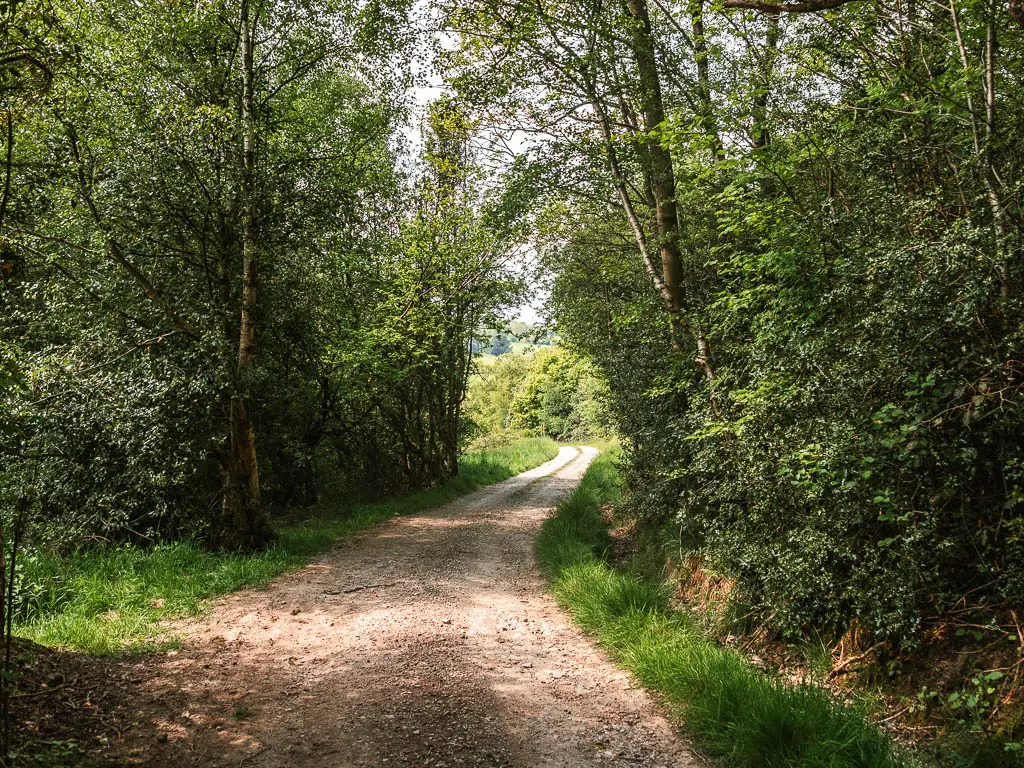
(736, 713)
(112, 600)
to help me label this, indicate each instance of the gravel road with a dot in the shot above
(428, 640)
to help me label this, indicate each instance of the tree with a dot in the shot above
(155, 179)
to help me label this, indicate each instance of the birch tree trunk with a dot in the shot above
(661, 171)
(663, 182)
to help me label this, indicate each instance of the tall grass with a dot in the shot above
(112, 600)
(736, 713)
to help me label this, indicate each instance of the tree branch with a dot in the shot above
(10, 58)
(800, 6)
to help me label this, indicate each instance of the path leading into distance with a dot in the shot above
(427, 641)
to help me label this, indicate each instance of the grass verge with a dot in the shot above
(735, 713)
(111, 601)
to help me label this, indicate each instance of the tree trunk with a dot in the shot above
(245, 524)
(663, 182)
(993, 182)
(661, 171)
(700, 54)
(759, 131)
(245, 521)
(983, 143)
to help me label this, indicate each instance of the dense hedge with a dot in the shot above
(857, 453)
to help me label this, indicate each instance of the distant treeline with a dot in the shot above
(550, 393)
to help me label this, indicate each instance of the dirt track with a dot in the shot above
(426, 641)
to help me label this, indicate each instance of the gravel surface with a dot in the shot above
(428, 640)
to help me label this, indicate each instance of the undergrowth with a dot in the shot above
(112, 600)
(735, 713)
